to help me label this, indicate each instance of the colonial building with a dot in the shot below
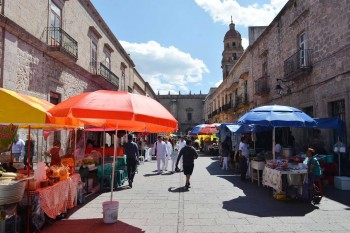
(187, 109)
(301, 59)
(56, 49)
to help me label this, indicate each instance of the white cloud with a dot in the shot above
(251, 15)
(166, 68)
(218, 83)
(245, 42)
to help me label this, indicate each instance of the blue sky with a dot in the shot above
(176, 45)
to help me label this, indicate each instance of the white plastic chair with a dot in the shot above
(149, 154)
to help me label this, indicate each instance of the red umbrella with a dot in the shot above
(121, 110)
(209, 129)
(112, 108)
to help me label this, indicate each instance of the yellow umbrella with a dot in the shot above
(24, 110)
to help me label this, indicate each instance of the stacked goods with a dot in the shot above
(11, 187)
(59, 173)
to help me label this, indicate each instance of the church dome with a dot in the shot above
(232, 33)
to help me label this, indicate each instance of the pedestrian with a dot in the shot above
(314, 170)
(243, 157)
(169, 148)
(132, 154)
(225, 148)
(202, 144)
(189, 154)
(17, 148)
(181, 144)
(160, 151)
(29, 143)
(56, 152)
(174, 156)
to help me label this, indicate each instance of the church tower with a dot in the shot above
(233, 49)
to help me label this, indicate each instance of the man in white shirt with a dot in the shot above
(17, 148)
(181, 144)
(243, 157)
(169, 149)
(160, 151)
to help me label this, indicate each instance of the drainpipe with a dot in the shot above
(3, 46)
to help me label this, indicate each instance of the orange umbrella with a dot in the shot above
(122, 109)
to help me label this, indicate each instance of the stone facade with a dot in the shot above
(187, 109)
(36, 64)
(305, 51)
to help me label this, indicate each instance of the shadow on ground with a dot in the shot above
(178, 190)
(258, 201)
(90, 226)
(341, 196)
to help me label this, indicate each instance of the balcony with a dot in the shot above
(102, 73)
(261, 86)
(214, 113)
(226, 107)
(241, 100)
(61, 45)
(298, 64)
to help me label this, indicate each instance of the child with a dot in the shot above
(174, 158)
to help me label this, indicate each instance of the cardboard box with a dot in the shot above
(342, 182)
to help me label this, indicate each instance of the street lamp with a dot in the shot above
(279, 86)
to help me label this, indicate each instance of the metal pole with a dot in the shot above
(338, 145)
(103, 152)
(273, 142)
(114, 155)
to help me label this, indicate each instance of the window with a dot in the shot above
(55, 98)
(55, 24)
(189, 116)
(234, 56)
(264, 68)
(93, 56)
(302, 47)
(245, 101)
(338, 109)
(130, 89)
(234, 44)
(108, 65)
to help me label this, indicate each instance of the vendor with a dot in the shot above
(314, 169)
(55, 153)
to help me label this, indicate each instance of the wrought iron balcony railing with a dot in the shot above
(103, 71)
(261, 86)
(58, 38)
(214, 113)
(226, 106)
(299, 63)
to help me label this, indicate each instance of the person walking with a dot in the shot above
(189, 154)
(169, 148)
(132, 154)
(174, 156)
(160, 151)
(225, 147)
(181, 144)
(29, 144)
(243, 157)
(17, 148)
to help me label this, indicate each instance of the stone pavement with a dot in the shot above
(217, 202)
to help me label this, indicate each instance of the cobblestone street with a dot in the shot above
(217, 202)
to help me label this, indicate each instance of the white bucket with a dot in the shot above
(110, 211)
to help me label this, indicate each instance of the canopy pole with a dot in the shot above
(103, 151)
(338, 145)
(75, 146)
(114, 155)
(273, 142)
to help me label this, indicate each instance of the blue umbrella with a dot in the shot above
(196, 129)
(277, 116)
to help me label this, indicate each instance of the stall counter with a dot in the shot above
(273, 178)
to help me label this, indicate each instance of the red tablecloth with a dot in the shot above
(56, 199)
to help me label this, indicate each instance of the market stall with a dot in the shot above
(278, 116)
(120, 110)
